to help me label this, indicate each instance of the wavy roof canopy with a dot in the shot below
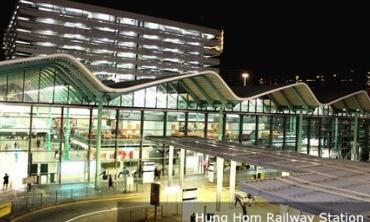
(207, 88)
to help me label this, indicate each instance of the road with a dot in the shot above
(89, 211)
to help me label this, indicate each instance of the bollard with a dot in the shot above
(41, 199)
(33, 198)
(71, 194)
(26, 202)
(56, 197)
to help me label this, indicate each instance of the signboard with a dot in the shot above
(148, 172)
(30, 179)
(5, 209)
(189, 194)
(154, 194)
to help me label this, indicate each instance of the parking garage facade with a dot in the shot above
(61, 124)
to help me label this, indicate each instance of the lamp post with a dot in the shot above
(245, 76)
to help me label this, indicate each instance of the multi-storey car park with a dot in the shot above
(113, 44)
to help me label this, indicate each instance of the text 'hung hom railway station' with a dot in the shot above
(61, 124)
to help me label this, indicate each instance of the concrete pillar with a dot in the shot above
(220, 175)
(170, 165)
(355, 150)
(182, 167)
(299, 133)
(232, 181)
(98, 144)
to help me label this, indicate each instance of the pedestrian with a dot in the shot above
(38, 143)
(110, 182)
(6, 181)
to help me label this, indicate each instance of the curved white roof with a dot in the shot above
(205, 87)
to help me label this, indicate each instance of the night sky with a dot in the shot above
(272, 41)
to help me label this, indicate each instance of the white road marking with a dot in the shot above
(89, 214)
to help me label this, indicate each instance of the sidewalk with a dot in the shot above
(53, 194)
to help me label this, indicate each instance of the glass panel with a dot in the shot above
(31, 86)
(15, 86)
(175, 124)
(249, 129)
(196, 124)
(232, 127)
(213, 126)
(47, 86)
(264, 130)
(14, 127)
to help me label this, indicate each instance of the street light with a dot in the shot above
(245, 76)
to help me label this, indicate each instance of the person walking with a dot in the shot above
(6, 181)
(110, 182)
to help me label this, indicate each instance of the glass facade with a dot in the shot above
(49, 128)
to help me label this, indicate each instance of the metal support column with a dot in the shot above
(205, 125)
(299, 133)
(232, 182)
(220, 135)
(61, 142)
(241, 128)
(164, 150)
(271, 122)
(141, 139)
(170, 165)
(284, 132)
(50, 126)
(335, 139)
(220, 175)
(256, 130)
(309, 136)
(224, 127)
(67, 133)
(355, 148)
(182, 166)
(319, 151)
(116, 142)
(186, 126)
(89, 145)
(98, 144)
(30, 143)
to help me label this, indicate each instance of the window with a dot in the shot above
(46, 32)
(176, 41)
(127, 44)
(127, 33)
(75, 36)
(105, 29)
(208, 36)
(150, 47)
(126, 54)
(76, 25)
(152, 37)
(46, 20)
(101, 16)
(151, 25)
(46, 44)
(127, 21)
(190, 32)
(102, 51)
(75, 47)
(125, 65)
(102, 62)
